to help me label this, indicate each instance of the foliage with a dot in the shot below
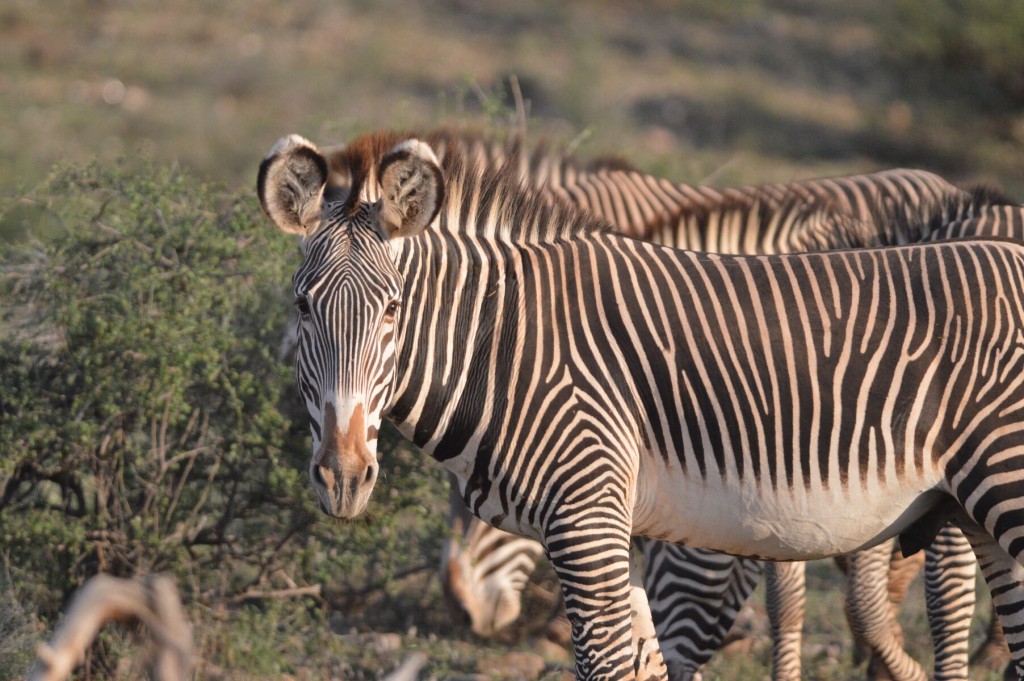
(146, 422)
(145, 435)
(979, 40)
(18, 627)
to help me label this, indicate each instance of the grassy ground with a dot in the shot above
(701, 91)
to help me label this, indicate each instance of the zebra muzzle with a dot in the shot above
(344, 470)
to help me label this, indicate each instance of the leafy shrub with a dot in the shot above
(145, 435)
(146, 422)
(18, 628)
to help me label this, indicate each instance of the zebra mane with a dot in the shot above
(537, 161)
(825, 225)
(986, 196)
(894, 223)
(540, 164)
(758, 209)
(489, 178)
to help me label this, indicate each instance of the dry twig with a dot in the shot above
(258, 594)
(408, 670)
(152, 601)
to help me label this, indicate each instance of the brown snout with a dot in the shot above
(344, 470)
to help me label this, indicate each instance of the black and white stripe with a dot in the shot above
(650, 420)
(813, 214)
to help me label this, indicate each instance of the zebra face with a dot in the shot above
(348, 294)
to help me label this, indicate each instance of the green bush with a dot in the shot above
(146, 422)
(139, 411)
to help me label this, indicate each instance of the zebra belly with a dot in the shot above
(750, 519)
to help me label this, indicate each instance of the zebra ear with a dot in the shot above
(291, 184)
(412, 188)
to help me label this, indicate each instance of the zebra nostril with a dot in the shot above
(371, 473)
(318, 477)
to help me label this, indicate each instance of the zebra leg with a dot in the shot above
(861, 651)
(950, 573)
(993, 655)
(869, 612)
(902, 571)
(591, 556)
(695, 597)
(1005, 579)
(785, 584)
(649, 662)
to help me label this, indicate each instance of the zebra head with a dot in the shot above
(487, 592)
(348, 295)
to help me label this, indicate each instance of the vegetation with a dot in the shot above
(729, 92)
(976, 41)
(146, 417)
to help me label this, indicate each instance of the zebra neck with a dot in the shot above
(458, 301)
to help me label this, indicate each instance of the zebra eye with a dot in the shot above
(302, 305)
(391, 310)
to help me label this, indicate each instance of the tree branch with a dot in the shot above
(256, 594)
(151, 600)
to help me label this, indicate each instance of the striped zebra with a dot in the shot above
(484, 570)
(700, 593)
(634, 412)
(696, 612)
(793, 217)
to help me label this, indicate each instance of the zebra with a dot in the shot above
(692, 611)
(478, 570)
(483, 571)
(657, 425)
(726, 221)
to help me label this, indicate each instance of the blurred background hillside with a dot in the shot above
(721, 90)
(147, 423)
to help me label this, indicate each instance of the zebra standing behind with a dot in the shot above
(890, 207)
(640, 416)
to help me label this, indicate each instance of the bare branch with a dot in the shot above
(151, 600)
(256, 594)
(410, 669)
